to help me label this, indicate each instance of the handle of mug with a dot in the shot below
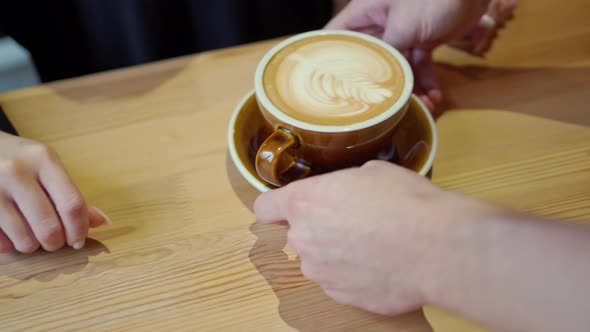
(275, 164)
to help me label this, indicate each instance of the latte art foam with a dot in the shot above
(333, 80)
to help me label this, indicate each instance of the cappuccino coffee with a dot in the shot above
(333, 80)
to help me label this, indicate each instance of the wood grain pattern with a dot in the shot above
(148, 145)
(536, 165)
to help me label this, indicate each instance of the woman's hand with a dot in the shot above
(40, 206)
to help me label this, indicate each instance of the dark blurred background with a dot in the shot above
(69, 38)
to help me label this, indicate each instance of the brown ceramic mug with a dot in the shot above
(333, 99)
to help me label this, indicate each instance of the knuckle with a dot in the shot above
(291, 206)
(74, 208)
(13, 169)
(43, 152)
(295, 200)
(27, 245)
(50, 233)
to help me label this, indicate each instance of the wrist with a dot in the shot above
(457, 244)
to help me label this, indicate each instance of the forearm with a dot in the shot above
(516, 273)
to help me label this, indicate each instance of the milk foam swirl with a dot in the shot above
(335, 79)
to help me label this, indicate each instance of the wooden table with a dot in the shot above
(148, 145)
